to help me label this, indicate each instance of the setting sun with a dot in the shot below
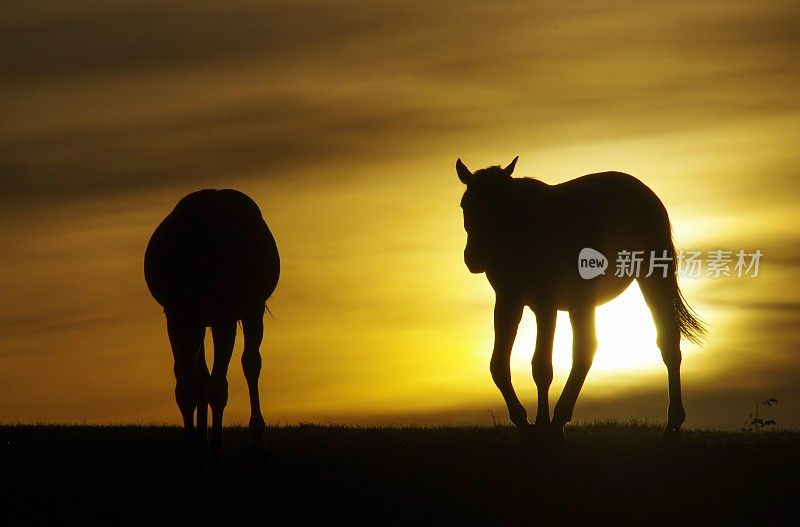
(626, 339)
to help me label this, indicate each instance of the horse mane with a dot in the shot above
(495, 176)
(493, 172)
(530, 184)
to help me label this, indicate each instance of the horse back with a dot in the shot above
(607, 211)
(611, 208)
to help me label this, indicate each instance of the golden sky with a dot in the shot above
(343, 121)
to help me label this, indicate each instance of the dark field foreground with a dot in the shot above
(607, 474)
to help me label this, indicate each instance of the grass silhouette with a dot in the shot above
(608, 471)
(754, 423)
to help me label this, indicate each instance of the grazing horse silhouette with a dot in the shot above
(210, 263)
(527, 235)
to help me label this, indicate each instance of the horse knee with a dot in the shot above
(500, 370)
(186, 387)
(669, 345)
(185, 396)
(251, 363)
(217, 392)
(672, 358)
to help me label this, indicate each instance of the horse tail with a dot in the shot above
(690, 325)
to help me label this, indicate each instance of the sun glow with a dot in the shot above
(626, 338)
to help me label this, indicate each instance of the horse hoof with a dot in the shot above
(214, 466)
(671, 436)
(525, 432)
(257, 427)
(557, 435)
(553, 438)
(257, 455)
(544, 437)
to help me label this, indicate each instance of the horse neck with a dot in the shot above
(526, 205)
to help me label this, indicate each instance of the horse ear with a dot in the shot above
(510, 168)
(463, 172)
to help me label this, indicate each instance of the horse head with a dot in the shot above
(486, 212)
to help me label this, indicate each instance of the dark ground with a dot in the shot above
(607, 474)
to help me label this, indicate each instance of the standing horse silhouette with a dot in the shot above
(527, 235)
(211, 263)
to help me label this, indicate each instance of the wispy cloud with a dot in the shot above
(133, 96)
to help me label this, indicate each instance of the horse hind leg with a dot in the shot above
(203, 377)
(659, 293)
(224, 336)
(253, 329)
(186, 340)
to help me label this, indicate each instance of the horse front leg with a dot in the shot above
(584, 344)
(542, 364)
(507, 316)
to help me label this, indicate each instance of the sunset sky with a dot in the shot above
(343, 120)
